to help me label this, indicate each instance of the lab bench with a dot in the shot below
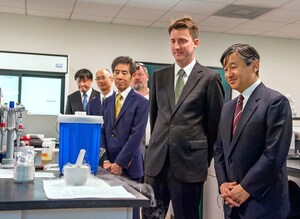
(29, 201)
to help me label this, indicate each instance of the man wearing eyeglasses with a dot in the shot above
(78, 100)
(104, 81)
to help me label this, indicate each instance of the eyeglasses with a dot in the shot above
(101, 78)
(139, 64)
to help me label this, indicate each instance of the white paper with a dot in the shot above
(9, 174)
(6, 173)
(94, 188)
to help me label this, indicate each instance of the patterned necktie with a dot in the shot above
(179, 84)
(84, 102)
(118, 104)
(237, 113)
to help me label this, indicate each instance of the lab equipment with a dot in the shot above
(77, 174)
(78, 132)
(24, 169)
(10, 125)
(47, 149)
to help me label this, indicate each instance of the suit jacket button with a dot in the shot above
(229, 161)
(172, 125)
(113, 135)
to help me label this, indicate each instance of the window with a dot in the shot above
(41, 96)
(37, 81)
(9, 85)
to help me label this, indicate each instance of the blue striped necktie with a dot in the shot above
(84, 102)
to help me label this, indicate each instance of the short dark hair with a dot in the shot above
(83, 73)
(185, 22)
(124, 60)
(245, 51)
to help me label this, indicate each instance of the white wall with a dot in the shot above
(95, 45)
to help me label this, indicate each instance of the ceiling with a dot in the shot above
(280, 19)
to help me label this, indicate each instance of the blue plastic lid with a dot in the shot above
(11, 104)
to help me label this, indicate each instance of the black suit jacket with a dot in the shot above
(256, 156)
(74, 101)
(186, 131)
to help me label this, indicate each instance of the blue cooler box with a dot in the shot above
(78, 132)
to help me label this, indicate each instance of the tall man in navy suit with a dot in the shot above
(78, 100)
(184, 124)
(104, 81)
(125, 117)
(252, 146)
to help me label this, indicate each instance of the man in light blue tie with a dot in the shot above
(77, 101)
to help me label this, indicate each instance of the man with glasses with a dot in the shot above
(78, 100)
(104, 81)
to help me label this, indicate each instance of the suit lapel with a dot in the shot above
(247, 113)
(190, 84)
(169, 78)
(109, 103)
(227, 126)
(128, 101)
(80, 105)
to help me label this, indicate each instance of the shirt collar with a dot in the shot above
(88, 93)
(247, 93)
(188, 69)
(125, 93)
(107, 95)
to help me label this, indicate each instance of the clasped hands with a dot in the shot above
(233, 194)
(113, 168)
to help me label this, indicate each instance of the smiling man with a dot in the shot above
(186, 99)
(78, 100)
(125, 117)
(254, 137)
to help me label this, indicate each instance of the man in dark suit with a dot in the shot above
(104, 81)
(125, 117)
(78, 100)
(253, 143)
(184, 126)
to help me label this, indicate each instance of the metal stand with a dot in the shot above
(11, 124)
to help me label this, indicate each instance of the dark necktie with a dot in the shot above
(179, 84)
(84, 102)
(237, 113)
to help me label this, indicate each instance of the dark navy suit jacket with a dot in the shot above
(256, 156)
(122, 137)
(94, 106)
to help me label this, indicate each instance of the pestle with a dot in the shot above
(80, 158)
(77, 174)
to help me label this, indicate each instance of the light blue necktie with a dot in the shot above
(84, 102)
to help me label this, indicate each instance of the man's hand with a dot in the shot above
(226, 187)
(233, 194)
(107, 165)
(116, 169)
(240, 194)
(227, 195)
